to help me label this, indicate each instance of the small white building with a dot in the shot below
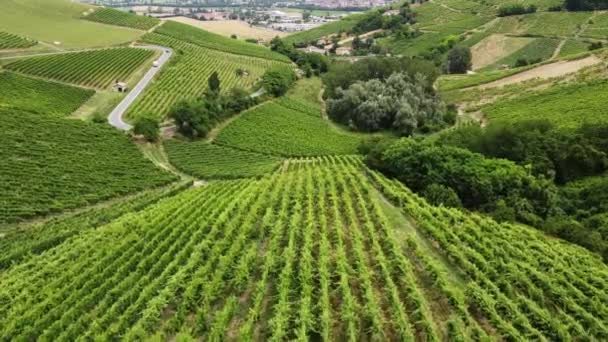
(121, 87)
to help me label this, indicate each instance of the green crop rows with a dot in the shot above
(206, 160)
(119, 18)
(272, 128)
(214, 41)
(95, 68)
(185, 76)
(507, 269)
(314, 34)
(309, 250)
(12, 41)
(40, 96)
(565, 106)
(60, 164)
(540, 49)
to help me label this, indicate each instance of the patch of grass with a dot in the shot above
(452, 82)
(561, 24)
(573, 47)
(334, 27)
(58, 21)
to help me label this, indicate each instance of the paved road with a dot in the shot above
(115, 118)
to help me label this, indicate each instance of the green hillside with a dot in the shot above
(59, 21)
(119, 18)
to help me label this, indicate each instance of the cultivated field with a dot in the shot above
(275, 129)
(12, 41)
(494, 47)
(119, 18)
(57, 21)
(95, 68)
(311, 250)
(214, 41)
(229, 27)
(211, 161)
(185, 76)
(38, 96)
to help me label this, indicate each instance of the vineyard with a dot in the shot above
(309, 252)
(38, 96)
(567, 106)
(217, 42)
(94, 68)
(314, 34)
(52, 164)
(185, 76)
(275, 129)
(12, 41)
(209, 161)
(119, 18)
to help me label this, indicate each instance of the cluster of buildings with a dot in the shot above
(348, 3)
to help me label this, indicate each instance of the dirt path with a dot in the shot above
(558, 49)
(545, 72)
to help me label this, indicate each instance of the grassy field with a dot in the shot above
(210, 161)
(567, 106)
(214, 41)
(496, 47)
(573, 47)
(12, 41)
(311, 250)
(119, 18)
(95, 68)
(185, 76)
(452, 82)
(39, 96)
(229, 27)
(58, 21)
(274, 129)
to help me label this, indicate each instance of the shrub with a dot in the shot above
(459, 60)
(277, 81)
(437, 194)
(147, 127)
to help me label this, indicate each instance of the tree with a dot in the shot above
(459, 60)
(437, 194)
(214, 83)
(190, 118)
(277, 81)
(306, 15)
(147, 127)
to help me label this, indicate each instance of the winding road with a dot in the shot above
(116, 116)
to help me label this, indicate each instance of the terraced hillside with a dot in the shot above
(311, 250)
(95, 68)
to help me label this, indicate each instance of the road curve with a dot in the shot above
(115, 117)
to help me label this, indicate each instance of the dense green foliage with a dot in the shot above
(487, 184)
(115, 17)
(12, 41)
(95, 68)
(309, 62)
(276, 81)
(40, 96)
(272, 128)
(211, 161)
(458, 60)
(214, 41)
(515, 9)
(60, 164)
(560, 155)
(311, 250)
(185, 76)
(400, 103)
(147, 127)
(194, 119)
(343, 74)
